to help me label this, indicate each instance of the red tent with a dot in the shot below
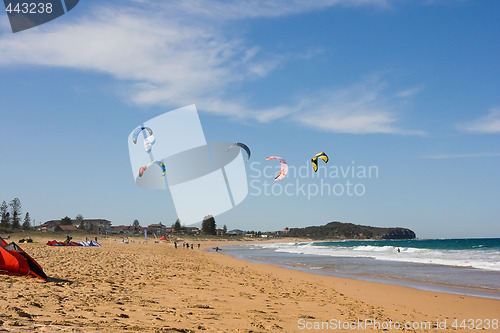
(163, 238)
(13, 259)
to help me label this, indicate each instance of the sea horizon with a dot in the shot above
(465, 266)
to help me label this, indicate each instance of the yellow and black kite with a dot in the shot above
(314, 160)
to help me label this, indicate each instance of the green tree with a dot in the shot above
(15, 208)
(5, 221)
(136, 223)
(177, 226)
(208, 226)
(66, 221)
(27, 222)
(224, 230)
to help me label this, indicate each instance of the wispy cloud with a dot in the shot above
(410, 92)
(365, 107)
(243, 9)
(162, 58)
(453, 156)
(489, 124)
(165, 61)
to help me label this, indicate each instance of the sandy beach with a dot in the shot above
(154, 287)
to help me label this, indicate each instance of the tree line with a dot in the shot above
(208, 226)
(11, 213)
(11, 216)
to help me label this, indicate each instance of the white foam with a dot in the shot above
(480, 259)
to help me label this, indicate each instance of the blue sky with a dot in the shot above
(410, 87)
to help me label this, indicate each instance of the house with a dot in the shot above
(50, 226)
(97, 226)
(191, 230)
(158, 229)
(67, 228)
(127, 230)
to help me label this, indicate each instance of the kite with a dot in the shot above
(284, 167)
(138, 130)
(148, 142)
(314, 160)
(242, 145)
(161, 165)
(141, 170)
(14, 260)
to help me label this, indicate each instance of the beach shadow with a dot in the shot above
(49, 279)
(56, 280)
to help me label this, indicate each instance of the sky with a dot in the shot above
(407, 89)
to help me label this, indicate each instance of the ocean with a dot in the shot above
(463, 266)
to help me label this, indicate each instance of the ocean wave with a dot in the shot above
(478, 258)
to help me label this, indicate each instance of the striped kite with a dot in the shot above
(284, 167)
(161, 165)
(148, 141)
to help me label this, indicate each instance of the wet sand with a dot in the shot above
(154, 287)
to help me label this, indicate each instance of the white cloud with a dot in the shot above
(410, 92)
(244, 9)
(176, 55)
(180, 61)
(363, 108)
(489, 124)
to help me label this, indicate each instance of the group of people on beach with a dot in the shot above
(187, 245)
